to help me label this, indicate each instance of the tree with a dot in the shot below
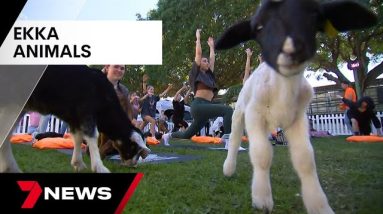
(366, 46)
(180, 19)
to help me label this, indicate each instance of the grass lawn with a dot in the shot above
(351, 175)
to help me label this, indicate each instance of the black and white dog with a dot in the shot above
(87, 101)
(277, 94)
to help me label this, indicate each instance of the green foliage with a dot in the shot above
(181, 18)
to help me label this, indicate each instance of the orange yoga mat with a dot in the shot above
(55, 143)
(366, 139)
(21, 138)
(206, 140)
(152, 141)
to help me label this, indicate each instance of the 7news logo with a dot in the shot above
(61, 192)
(64, 193)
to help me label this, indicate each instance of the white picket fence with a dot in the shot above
(333, 123)
(53, 125)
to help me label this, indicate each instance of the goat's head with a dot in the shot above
(286, 29)
(131, 151)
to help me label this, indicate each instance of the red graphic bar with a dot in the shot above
(129, 193)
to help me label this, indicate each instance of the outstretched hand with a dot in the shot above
(249, 52)
(184, 87)
(210, 42)
(198, 34)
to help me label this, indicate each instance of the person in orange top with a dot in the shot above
(349, 93)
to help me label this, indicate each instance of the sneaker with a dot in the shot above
(225, 139)
(241, 149)
(166, 138)
(226, 144)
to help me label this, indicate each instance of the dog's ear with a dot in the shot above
(345, 15)
(234, 35)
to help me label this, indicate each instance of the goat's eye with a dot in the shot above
(259, 27)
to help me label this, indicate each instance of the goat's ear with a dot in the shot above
(346, 15)
(234, 35)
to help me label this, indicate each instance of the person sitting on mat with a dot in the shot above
(361, 113)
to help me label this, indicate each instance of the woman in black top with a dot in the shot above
(202, 82)
(179, 109)
(361, 114)
(148, 110)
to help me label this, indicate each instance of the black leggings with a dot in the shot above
(202, 110)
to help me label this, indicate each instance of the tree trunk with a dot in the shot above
(358, 77)
(337, 72)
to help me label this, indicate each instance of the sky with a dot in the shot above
(113, 10)
(343, 68)
(86, 9)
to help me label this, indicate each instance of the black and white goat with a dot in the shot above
(277, 94)
(86, 100)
